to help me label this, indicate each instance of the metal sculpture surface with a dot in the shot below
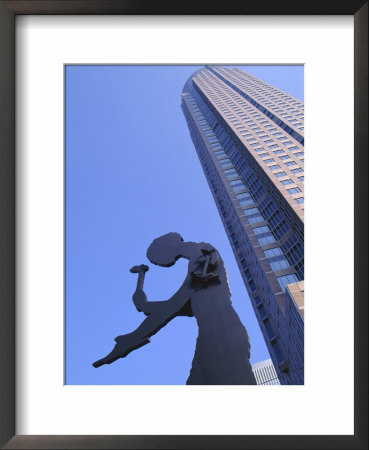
(222, 348)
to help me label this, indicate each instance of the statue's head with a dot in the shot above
(165, 250)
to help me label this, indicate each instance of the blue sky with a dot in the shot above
(132, 174)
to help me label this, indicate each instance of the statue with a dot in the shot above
(222, 348)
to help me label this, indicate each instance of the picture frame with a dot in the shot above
(8, 11)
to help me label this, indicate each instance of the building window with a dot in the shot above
(284, 157)
(287, 279)
(220, 154)
(276, 258)
(301, 178)
(274, 167)
(299, 200)
(285, 182)
(245, 199)
(268, 160)
(290, 163)
(230, 173)
(253, 215)
(298, 170)
(264, 235)
(294, 190)
(280, 174)
(225, 163)
(237, 185)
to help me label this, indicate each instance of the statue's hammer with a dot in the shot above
(141, 270)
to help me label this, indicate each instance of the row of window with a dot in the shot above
(285, 182)
(294, 190)
(264, 235)
(245, 199)
(276, 258)
(253, 215)
(280, 174)
(298, 170)
(237, 185)
(231, 173)
(225, 163)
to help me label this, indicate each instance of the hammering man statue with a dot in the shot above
(222, 348)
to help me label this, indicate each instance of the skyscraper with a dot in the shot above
(249, 137)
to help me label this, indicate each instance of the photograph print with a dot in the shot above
(184, 225)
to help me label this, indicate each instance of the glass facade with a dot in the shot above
(236, 123)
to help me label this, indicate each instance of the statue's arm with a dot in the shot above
(159, 314)
(176, 302)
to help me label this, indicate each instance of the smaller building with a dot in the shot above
(265, 373)
(295, 325)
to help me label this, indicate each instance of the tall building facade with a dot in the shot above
(249, 137)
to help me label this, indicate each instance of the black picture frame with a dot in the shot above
(8, 11)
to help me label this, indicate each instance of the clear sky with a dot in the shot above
(132, 174)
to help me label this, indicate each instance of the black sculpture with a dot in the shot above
(222, 348)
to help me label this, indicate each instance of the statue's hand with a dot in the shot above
(125, 344)
(139, 269)
(140, 300)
